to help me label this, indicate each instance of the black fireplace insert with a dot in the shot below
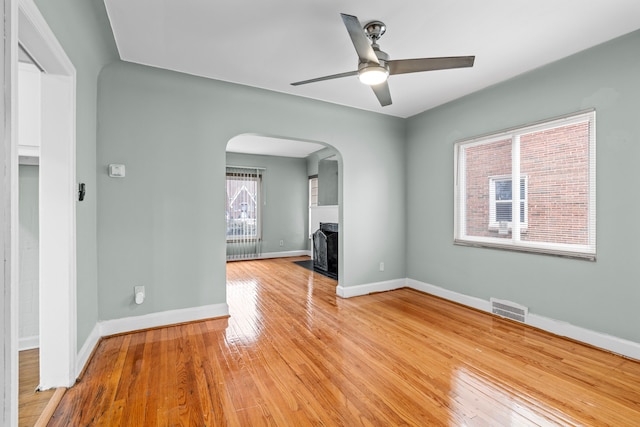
(325, 249)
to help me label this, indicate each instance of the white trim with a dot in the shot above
(598, 339)
(57, 236)
(284, 254)
(28, 151)
(160, 319)
(447, 294)
(550, 123)
(58, 314)
(28, 343)
(369, 288)
(38, 40)
(514, 242)
(9, 268)
(151, 320)
(270, 255)
(87, 348)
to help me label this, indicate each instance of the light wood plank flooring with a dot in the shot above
(31, 403)
(294, 354)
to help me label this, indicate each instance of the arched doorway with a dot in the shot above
(287, 211)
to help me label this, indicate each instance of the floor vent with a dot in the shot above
(509, 309)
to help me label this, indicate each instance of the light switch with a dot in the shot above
(116, 171)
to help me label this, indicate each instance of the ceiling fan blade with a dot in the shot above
(319, 79)
(382, 93)
(404, 66)
(359, 39)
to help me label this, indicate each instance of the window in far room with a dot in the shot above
(313, 191)
(243, 204)
(554, 198)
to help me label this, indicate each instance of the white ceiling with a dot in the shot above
(268, 146)
(269, 44)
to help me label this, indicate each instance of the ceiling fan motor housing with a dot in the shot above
(374, 30)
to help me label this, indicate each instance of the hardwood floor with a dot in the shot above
(31, 403)
(294, 354)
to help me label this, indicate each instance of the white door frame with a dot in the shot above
(9, 217)
(57, 200)
(21, 21)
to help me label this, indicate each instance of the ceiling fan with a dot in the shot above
(374, 65)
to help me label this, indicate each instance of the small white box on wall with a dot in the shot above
(116, 171)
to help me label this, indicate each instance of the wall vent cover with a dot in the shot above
(509, 309)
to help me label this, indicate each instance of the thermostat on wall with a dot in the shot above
(116, 171)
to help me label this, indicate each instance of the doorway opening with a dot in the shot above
(290, 209)
(272, 209)
(56, 197)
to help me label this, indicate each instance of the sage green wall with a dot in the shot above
(314, 159)
(328, 173)
(163, 225)
(285, 211)
(601, 296)
(327, 182)
(157, 226)
(29, 237)
(83, 30)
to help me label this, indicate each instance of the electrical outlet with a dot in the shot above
(381, 266)
(138, 294)
(281, 243)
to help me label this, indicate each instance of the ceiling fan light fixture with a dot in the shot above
(374, 65)
(373, 74)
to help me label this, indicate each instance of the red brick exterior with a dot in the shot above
(556, 165)
(482, 162)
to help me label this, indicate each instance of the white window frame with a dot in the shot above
(493, 222)
(586, 251)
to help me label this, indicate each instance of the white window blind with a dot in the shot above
(554, 197)
(243, 212)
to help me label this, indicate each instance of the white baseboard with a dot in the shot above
(355, 291)
(284, 254)
(163, 318)
(87, 348)
(477, 303)
(152, 320)
(598, 339)
(269, 255)
(28, 343)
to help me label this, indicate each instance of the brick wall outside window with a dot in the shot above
(482, 162)
(556, 164)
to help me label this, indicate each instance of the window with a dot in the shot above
(313, 191)
(554, 198)
(243, 204)
(500, 200)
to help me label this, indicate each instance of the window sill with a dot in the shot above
(586, 256)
